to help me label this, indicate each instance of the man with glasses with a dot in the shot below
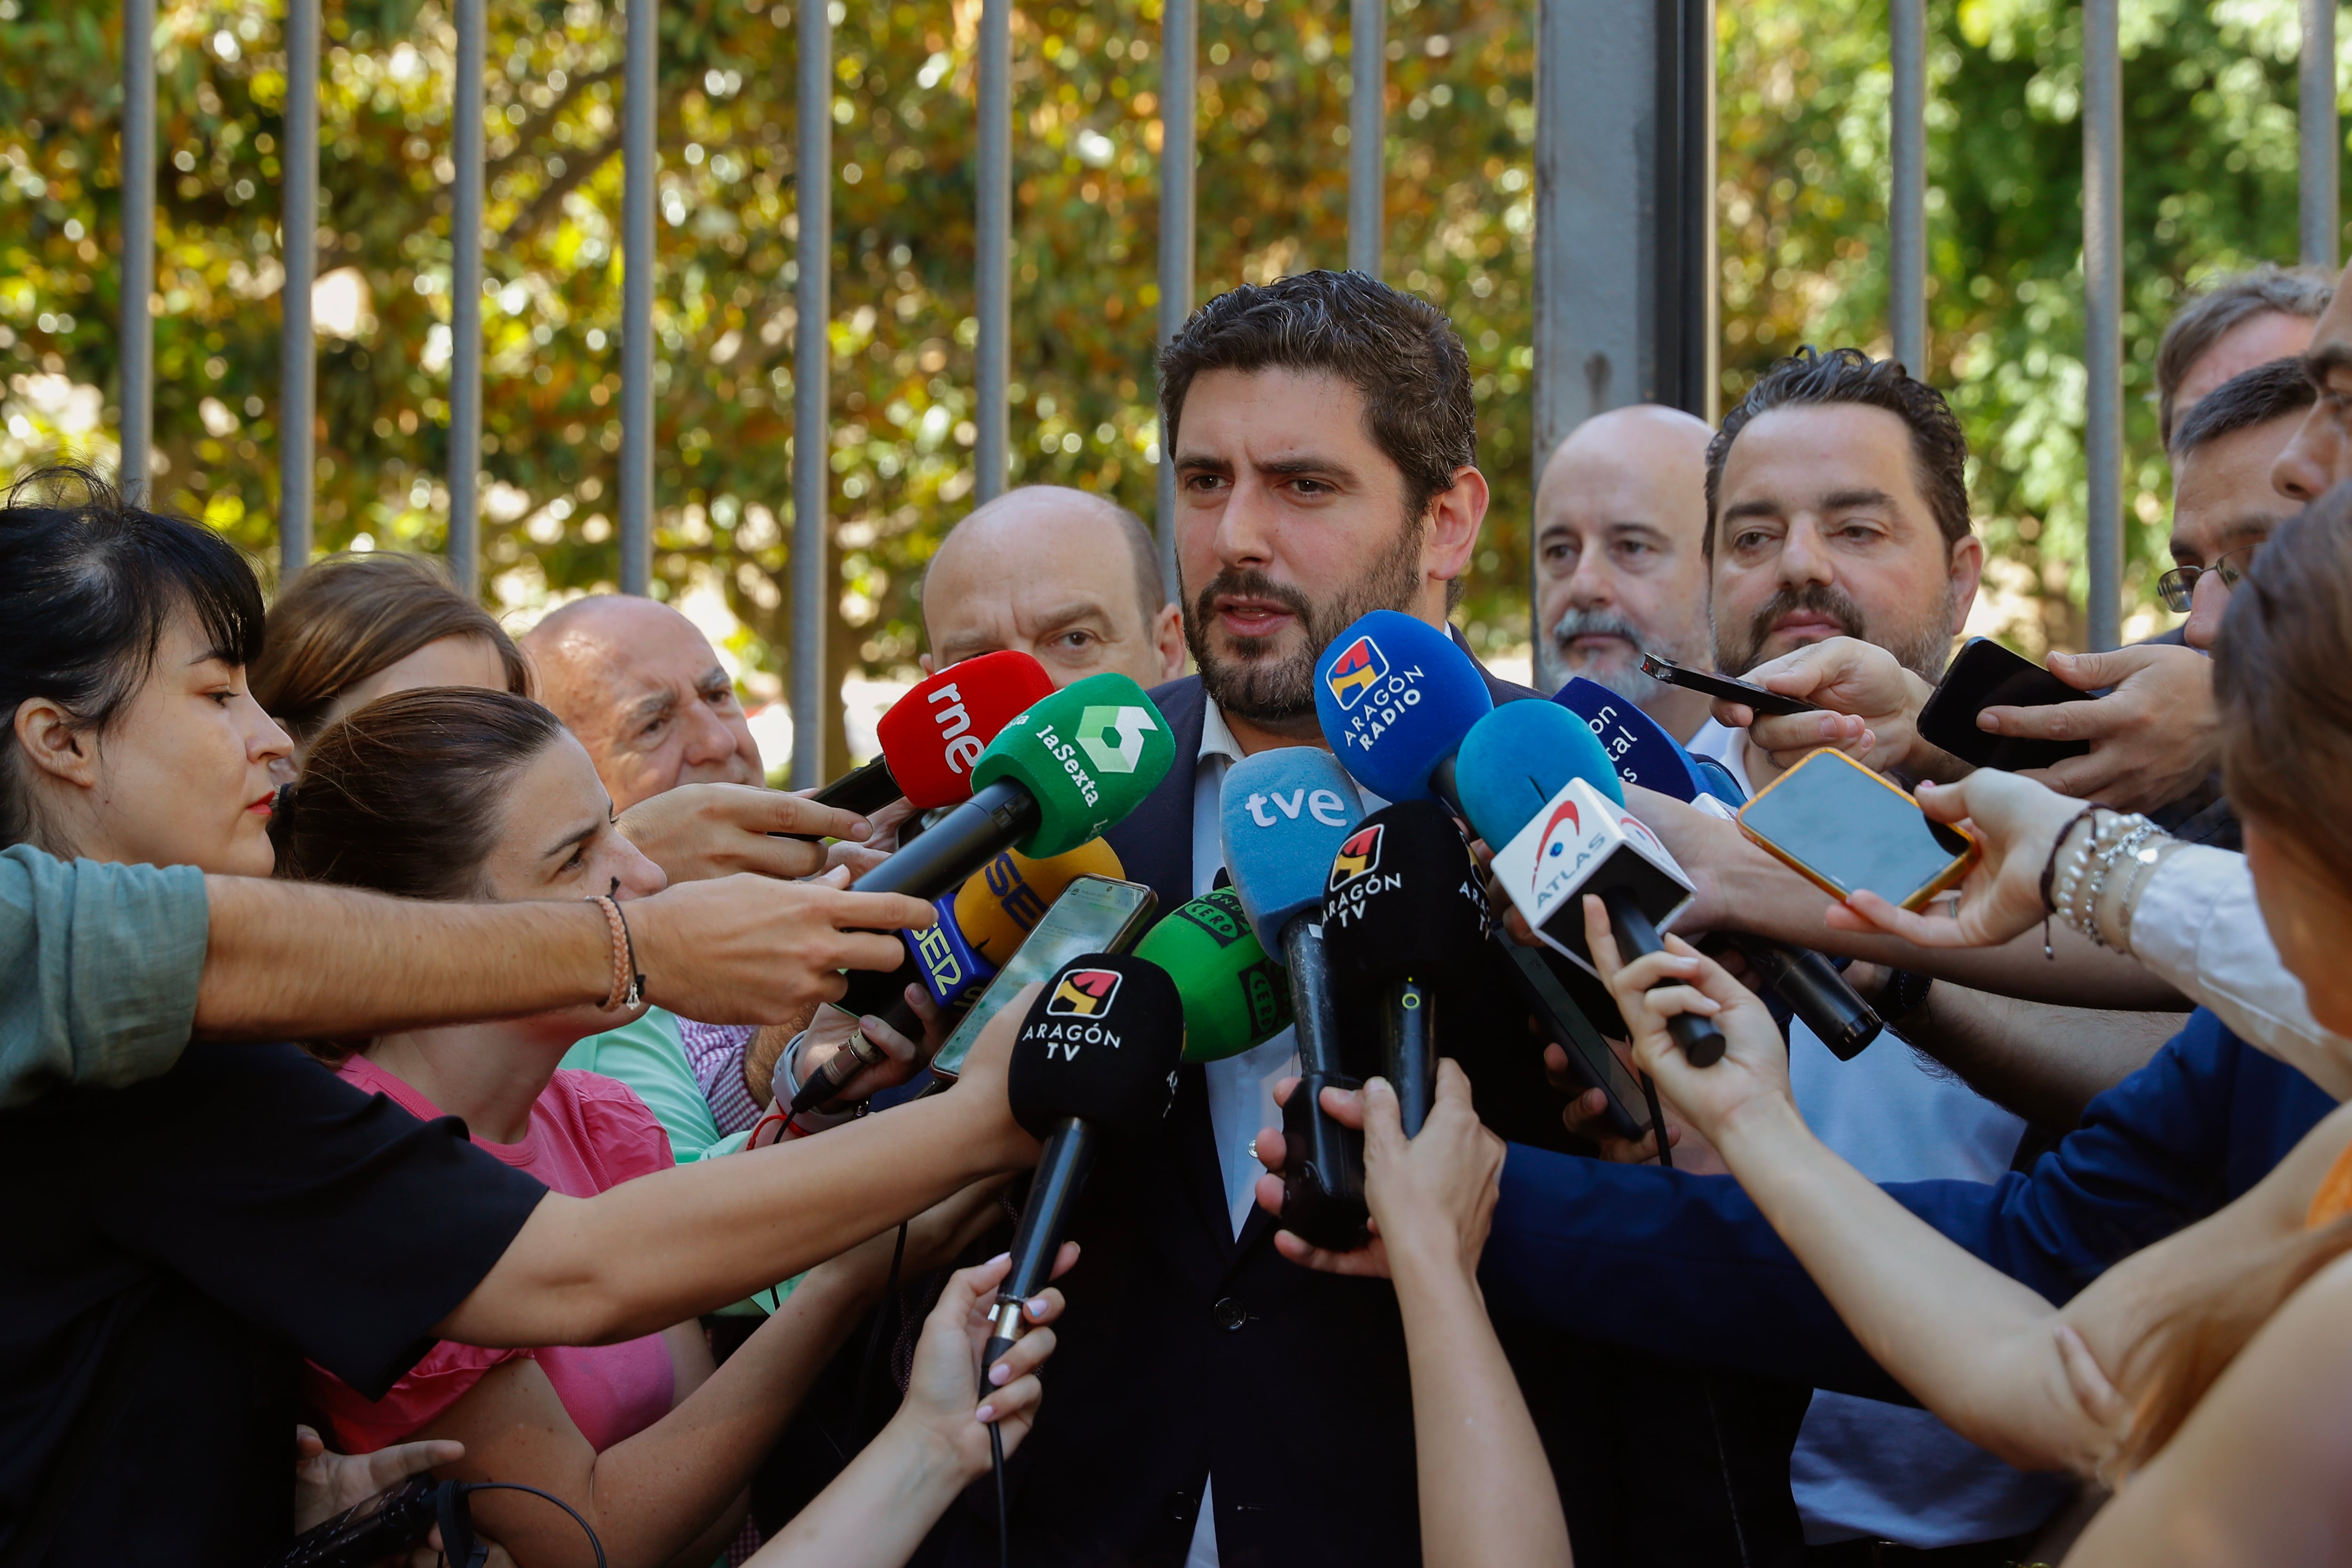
(2223, 501)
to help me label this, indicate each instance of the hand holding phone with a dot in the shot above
(1987, 675)
(1845, 829)
(1724, 688)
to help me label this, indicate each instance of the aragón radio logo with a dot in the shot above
(1356, 671)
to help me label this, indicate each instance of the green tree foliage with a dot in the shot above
(2209, 185)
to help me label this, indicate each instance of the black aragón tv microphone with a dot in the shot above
(1096, 1057)
(1404, 911)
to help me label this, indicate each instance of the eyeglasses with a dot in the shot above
(2178, 588)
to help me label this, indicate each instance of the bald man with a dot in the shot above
(1621, 516)
(640, 686)
(1067, 576)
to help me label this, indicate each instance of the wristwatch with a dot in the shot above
(1903, 994)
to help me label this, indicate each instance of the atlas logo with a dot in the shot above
(1356, 671)
(1358, 857)
(1084, 993)
(1553, 844)
(1102, 725)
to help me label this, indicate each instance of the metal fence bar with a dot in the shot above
(297, 243)
(811, 393)
(640, 167)
(1906, 201)
(2103, 350)
(464, 546)
(1180, 49)
(137, 330)
(2321, 144)
(994, 359)
(1368, 26)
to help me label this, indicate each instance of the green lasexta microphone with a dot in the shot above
(1055, 776)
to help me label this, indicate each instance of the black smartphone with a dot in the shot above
(1983, 675)
(1723, 688)
(387, 1525)
(1845, 828)
(1094, 914)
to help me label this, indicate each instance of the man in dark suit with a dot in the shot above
(1212, 1402)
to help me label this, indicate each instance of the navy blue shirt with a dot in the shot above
(1685, 1265)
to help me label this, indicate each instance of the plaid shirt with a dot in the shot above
(715, 1052)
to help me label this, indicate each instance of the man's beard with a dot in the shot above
(1922, 647)
(1553, 670)
(1265, 686)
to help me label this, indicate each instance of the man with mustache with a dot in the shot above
(1621, 570)
(1838, 506)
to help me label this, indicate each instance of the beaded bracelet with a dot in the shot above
(2111, 843)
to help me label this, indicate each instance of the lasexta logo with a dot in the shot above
(1357, 670)
(1554, 844)
(1084, 993)
(1358, 857)
(1112, 737)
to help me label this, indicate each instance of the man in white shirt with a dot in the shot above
(1837, 507)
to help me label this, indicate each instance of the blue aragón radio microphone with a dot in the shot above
(1641, 752)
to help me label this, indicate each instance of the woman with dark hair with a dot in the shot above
(355, 627)
(468, 795)
(174, 1249)
(2211, 1370)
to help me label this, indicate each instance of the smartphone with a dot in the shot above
(1574, 1008)
(1845, 828)
(1723, 688)
(1985, 675)
(387, 1525)
(1094, 914)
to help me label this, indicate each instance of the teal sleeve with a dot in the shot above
(103, 963)
(649, 1057)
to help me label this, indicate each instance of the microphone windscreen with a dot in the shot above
(1395, 696)
(1514, 759)
(1282, 815)
(1235, 996)
(1404, 898)
(1004, 900)
(1639, 746)
(933, 736)
(1101, 1043)
(1088, 754)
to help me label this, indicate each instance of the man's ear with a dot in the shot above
(1967, 572)
(1168, 636)
(1452, 531)
(923, 663)
(55, 743)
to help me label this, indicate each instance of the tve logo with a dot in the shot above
(1360, 666)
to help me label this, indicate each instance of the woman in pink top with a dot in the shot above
(466, 794)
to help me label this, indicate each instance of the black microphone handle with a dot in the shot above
(996, 818)
(1816, 992)
(1409, 1049)
(1701, 1041)
(1323, 1162)
(864, 790)
(1054, 1191)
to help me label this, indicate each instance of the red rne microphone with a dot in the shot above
(932, 736)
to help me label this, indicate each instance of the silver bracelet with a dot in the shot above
(2148, 858)
(2115, 840)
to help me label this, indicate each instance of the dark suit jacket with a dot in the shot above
(1185, 1353)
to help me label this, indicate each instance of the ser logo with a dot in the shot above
(1358, 857)
(1084, 993)
(1554, 844)
(1356, 671)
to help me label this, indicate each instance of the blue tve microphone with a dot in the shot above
(1642, 754)
(1283, 817)
(1395, 696)
(1515, 776)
